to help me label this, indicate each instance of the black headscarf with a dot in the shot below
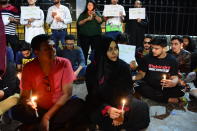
(113, 78)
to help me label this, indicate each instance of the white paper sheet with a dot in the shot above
(127, 52)
(135, 13)
(112, 10)
(30, 12)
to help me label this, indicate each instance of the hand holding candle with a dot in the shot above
(119, 121)
(164, 78)
(123, 105)
(34, 104)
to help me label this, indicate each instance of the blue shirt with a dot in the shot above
(75, 56)
(20, 59)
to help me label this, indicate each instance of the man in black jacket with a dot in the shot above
(136, 28)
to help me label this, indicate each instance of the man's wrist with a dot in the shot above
(46, 116)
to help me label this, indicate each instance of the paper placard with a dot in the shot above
(5, 19)
(30, 12)
(127, 52)
(135, 13)
(112, 10)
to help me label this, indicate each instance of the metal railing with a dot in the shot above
(166, 17)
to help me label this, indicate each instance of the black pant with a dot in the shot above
(67, 114)
(86, 41)
(158, 95)
(13, 41)
(135, 119)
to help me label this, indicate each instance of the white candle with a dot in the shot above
(33, 99)
(164, 78)
(123, 104)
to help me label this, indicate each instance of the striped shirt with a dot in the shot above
(9, 11)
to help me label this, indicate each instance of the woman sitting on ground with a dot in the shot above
(109, 81)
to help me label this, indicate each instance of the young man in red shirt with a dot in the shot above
(49, 78)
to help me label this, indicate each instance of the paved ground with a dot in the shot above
(175, 118)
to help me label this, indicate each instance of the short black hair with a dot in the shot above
(177, 38)
(38, 40)
(148, 36)
(25, 46)
(122, 38)
(159, 40)
(69, 37)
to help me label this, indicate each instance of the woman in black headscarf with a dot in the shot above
(109, 81)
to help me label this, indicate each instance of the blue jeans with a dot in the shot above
(113, 34)
(82, 72)
(58, 35)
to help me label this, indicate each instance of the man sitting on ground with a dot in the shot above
(48, 78)
(142, 51)
(24, 56)
(156, 86)
(182, 56)
(75, 55)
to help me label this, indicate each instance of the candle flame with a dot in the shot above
(19, 75)
(164, 76)
(33, 99)
(123, 101)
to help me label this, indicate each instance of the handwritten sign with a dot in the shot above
(135, 13)
(5, 19)
(30, 12)
(127, 52)
(112, 10)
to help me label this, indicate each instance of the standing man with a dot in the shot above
(114, 24)
(58, 17)
(10, 16)
(49, 78)
(136, 28)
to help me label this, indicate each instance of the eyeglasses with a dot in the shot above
(147, 42)
(46, 82)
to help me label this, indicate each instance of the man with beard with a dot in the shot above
(159, 72)
(136, 28)
(142, 51)
(58, 17)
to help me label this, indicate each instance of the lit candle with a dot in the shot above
(33, 99)
(123, 104)
(19, 75)
(164, 78)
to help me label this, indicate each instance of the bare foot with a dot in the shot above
(173, 100)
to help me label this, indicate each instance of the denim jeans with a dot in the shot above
(58, 35)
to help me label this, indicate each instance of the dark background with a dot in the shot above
(171, 17)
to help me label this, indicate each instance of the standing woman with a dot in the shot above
(89, 28)
(108, 81)
(33, 27)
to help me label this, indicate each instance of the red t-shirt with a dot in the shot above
(48, 89)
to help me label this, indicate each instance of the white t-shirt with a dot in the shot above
(115, 23)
